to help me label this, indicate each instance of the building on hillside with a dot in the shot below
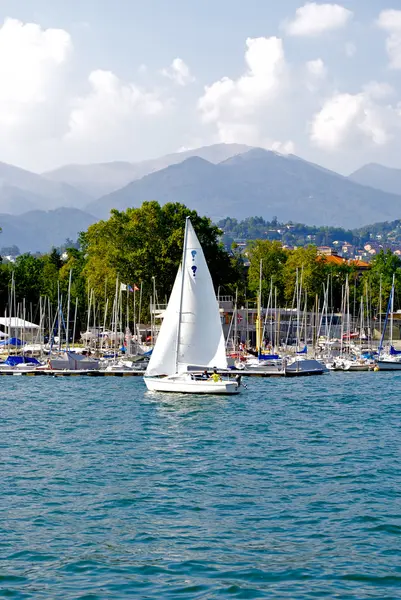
(326, 251)
(347, 249)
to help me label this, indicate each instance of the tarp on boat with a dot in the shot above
(13, 361)
(12, 342)
(74, 362)
(394, 352)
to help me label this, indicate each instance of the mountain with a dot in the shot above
(379, 177)
(258, 182)
(104, 178)
(38, 231)
(21, 191)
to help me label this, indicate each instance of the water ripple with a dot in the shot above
(288, 491)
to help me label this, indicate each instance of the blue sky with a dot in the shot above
(90, 81)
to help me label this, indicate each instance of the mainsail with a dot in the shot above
(198, 323)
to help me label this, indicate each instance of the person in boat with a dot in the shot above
(205, 375)
(215, 375)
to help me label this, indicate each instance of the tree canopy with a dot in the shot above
(143, 246)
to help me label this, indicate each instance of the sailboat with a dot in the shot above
(191, 337)
(391, 360)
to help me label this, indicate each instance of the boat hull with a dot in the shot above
(302, 367)
(189, 386)
(388, 365)
(306, 373)
(358, 368)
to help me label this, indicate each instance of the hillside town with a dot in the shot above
(355, 245)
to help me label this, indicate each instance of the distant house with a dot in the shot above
(347, 248)
(326, 251)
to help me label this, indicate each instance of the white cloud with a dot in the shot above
(316, 68)
(238, 108)
(378, 90)
(316, 74)
(283, 147)
(314, 19)
(31, 59)
(112, 115)
(179, 72)
(349, 120)
(45, 119)
(390, 21)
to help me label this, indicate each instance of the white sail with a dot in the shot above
(163, 358)
(201, 338)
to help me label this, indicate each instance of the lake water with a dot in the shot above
(290, 490)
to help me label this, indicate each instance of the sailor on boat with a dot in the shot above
(216, 376)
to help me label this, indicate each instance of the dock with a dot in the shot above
(122, 373)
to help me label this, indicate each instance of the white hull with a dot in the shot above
(359, 367)
(186, 385)
(264, 366)
(389, 365)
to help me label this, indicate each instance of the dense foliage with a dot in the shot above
(296, 234)
(143, 247)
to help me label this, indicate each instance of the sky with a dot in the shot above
(89, 81)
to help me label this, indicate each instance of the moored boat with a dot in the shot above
(301, 366)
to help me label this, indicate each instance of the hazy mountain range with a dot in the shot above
(379, 177)
(100, 179)
(259, 182)
(39, 231)
(38, 211)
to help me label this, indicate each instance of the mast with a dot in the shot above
(392, 311)
(298, 308)
(380, 305)
(138, 333)
(184, 255)
(59, 316)
(75, 320)
(236, 321)
(259, 315)
(68, 313)
(134, 337)
(276, 334)
(389, 305)
(342, 320)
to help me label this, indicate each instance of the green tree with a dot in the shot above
(383, 266)
(311, 272)
(28, 271)
(273, 259)
(146, 242)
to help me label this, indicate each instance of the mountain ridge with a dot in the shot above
(115, 175)
(379, 177)
(21, 190)
(258, 182)
(38, 230)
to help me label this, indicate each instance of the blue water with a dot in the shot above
(290, 490)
